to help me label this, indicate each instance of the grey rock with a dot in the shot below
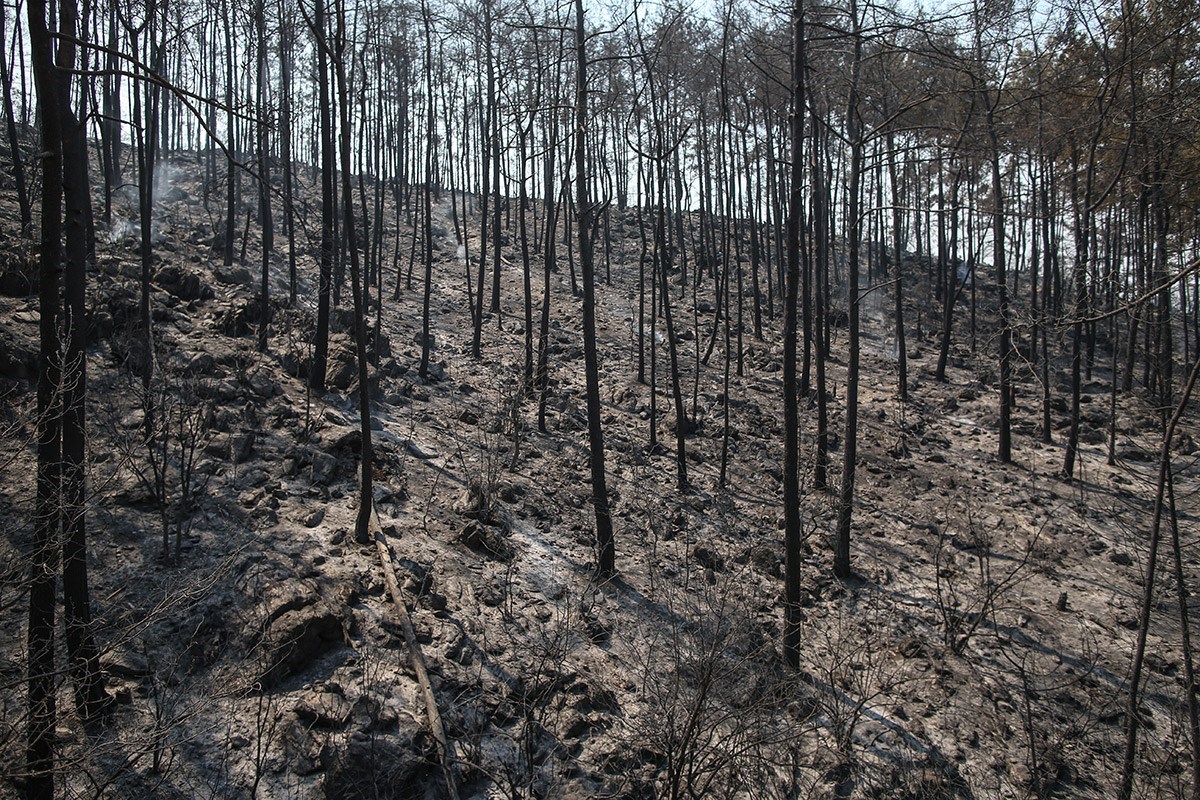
(324, 709)
(262, 384)
(324, 469)
(302, 627)
(235, 276)
(242, 447)
(181, 283)
(486, 540)
(709, 558)
(18, 359)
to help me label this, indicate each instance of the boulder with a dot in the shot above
(486, 540)
(324, 709)
(242, 447)
(262, 384)
(18, 274)
(240, 319)
(342, 370)
(301, 626)
(324, 469)
(387, 765)
(306, 753)
(199, 364)
(234, 276)
(18, 357)
(181, 283)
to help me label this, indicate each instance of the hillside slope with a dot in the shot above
(982, 651)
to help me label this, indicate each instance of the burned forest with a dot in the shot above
(484, 399)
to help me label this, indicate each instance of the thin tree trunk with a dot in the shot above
(14, 142)
(231, 140)
(82, 654)
(1189, 664)
(898, 249)
(286, 49)
(548, 266)
(428, 196)
(1132, 712)
(820, 216)
(606, 550)
(793, 560)
(264, 174)
(841, 553)
(39, 745)
(325, 279)
(362, 524)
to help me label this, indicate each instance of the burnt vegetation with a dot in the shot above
(509, 399)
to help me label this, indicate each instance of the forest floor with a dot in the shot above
(982, 650)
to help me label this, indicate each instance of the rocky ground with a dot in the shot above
(982, 651)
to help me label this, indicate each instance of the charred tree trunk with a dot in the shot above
(898, 249)
(14, 141)
(793, 560)
(427, 216)
(39, 745)
(605, 547)
(841, 552)
(264, 174)
(83, 656)
(362, 523)
(325, 279)
(1133, 714)
(820, 218)
(231, 187)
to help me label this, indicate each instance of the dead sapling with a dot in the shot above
(541, 696)
(717, 715)
(852, 674)
(509, 415)
(969, 598)
(177, 425)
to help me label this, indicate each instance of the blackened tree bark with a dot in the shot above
(1085, 200)
(1189, 665)
(110, 125)
(1083, 227)
(494, 137)
(550, 136)
(145, 111)
(947, 280)
(82, 653)
(661, 264)
(524, 133)
(820, 220)
(325, 280)
(791, 398)
(489, 152)
(606, 550)
(841, 552)
(362, 525)
(898, 249)
(427, 233)
(14, 142)
(1133, 714)
(39, 751)
(231, 187)
(287, 44)
(264, 173)
(999, 255)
